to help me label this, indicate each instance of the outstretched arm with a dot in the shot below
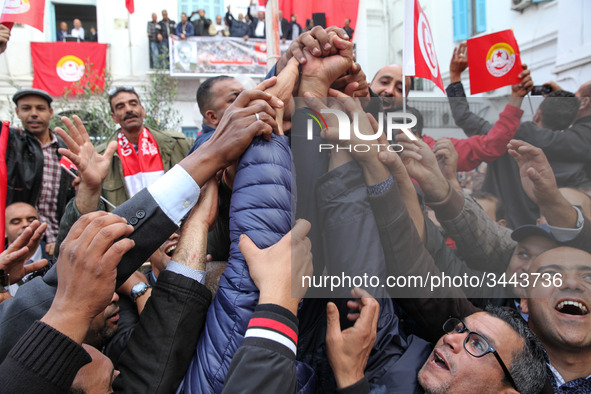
(266, 360)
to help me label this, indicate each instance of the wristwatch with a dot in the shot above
(138, 290)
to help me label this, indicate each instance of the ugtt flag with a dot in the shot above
(420, 59)
(62, 66)
(493, 61)
(27, 12)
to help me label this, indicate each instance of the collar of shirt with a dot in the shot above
(559, 381)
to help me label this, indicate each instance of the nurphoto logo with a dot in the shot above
(345, 125)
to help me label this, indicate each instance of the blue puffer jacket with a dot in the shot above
(260, 208)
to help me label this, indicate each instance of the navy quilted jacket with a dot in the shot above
(260, 208)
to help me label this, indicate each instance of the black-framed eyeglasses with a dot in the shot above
(476, 344)
(118, 89)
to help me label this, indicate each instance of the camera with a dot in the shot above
(541, 90)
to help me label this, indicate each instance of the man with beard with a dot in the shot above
(474, 150)
(32, 162)
(140, 156)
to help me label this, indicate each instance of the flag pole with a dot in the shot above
(404, 59)
(129, 39)
(3, 177)
(273, 39)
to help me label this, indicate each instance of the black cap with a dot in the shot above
(31, 92)
(528, 230)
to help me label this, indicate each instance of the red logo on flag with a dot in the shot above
(27, 12)
(419, 49)
(493, 61)
(59, 66)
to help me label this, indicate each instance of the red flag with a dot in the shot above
(493, 61)
(336, 11)
(129, 5)
(67, 163)
(420, 59)
(3, 179)
(58, 66)
(27, 12)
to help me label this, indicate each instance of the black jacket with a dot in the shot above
(24, 165)
(34, 298)
(567, 152)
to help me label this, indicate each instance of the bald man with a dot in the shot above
(387, 83)
(19, 216)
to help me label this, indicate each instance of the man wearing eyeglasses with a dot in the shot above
(477, 354)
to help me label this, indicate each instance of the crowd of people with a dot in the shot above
(77, 33)
(198, 25)
(221, 304)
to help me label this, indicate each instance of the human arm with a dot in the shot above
(162, 344)
(266, 359)
(189, 30)
(484, 244)
(13, 259)
(447, 158)
(348, 350)
(50, 351)
(406, 255)
(93, 168)
(471, 123)
(539, 184)
(4, 37)
(318, 41)
(229, 17)
(488, 147)
(458, 63)
(567, 145)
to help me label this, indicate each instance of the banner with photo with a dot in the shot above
(209, 56)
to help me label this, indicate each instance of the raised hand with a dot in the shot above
(93, 168)
(447, 158)
(87, 269)
(319, 42)
(13, 259)
(277, 271)
(349, 350)
(539, 183)
(191, 250)
(523, 88)
(458, 63)
(421, 164)
(319, 73)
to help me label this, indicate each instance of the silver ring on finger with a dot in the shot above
(256, 115)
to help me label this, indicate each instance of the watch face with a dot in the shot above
(138, 288)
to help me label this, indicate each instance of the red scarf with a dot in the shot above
(143, 168)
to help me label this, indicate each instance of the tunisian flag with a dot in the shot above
(3, 179)
(27, 12)
(62, 66)
(130, 6)
(420, 59)
(493, 61)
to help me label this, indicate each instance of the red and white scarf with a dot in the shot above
(143, 168)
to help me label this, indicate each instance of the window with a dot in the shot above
(68, 12)
(211, 7)
(469, 18)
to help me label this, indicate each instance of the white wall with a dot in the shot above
(553, 38)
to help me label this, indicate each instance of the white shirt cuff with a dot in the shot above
(562, 234)
(176, 192)
(185, 271)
